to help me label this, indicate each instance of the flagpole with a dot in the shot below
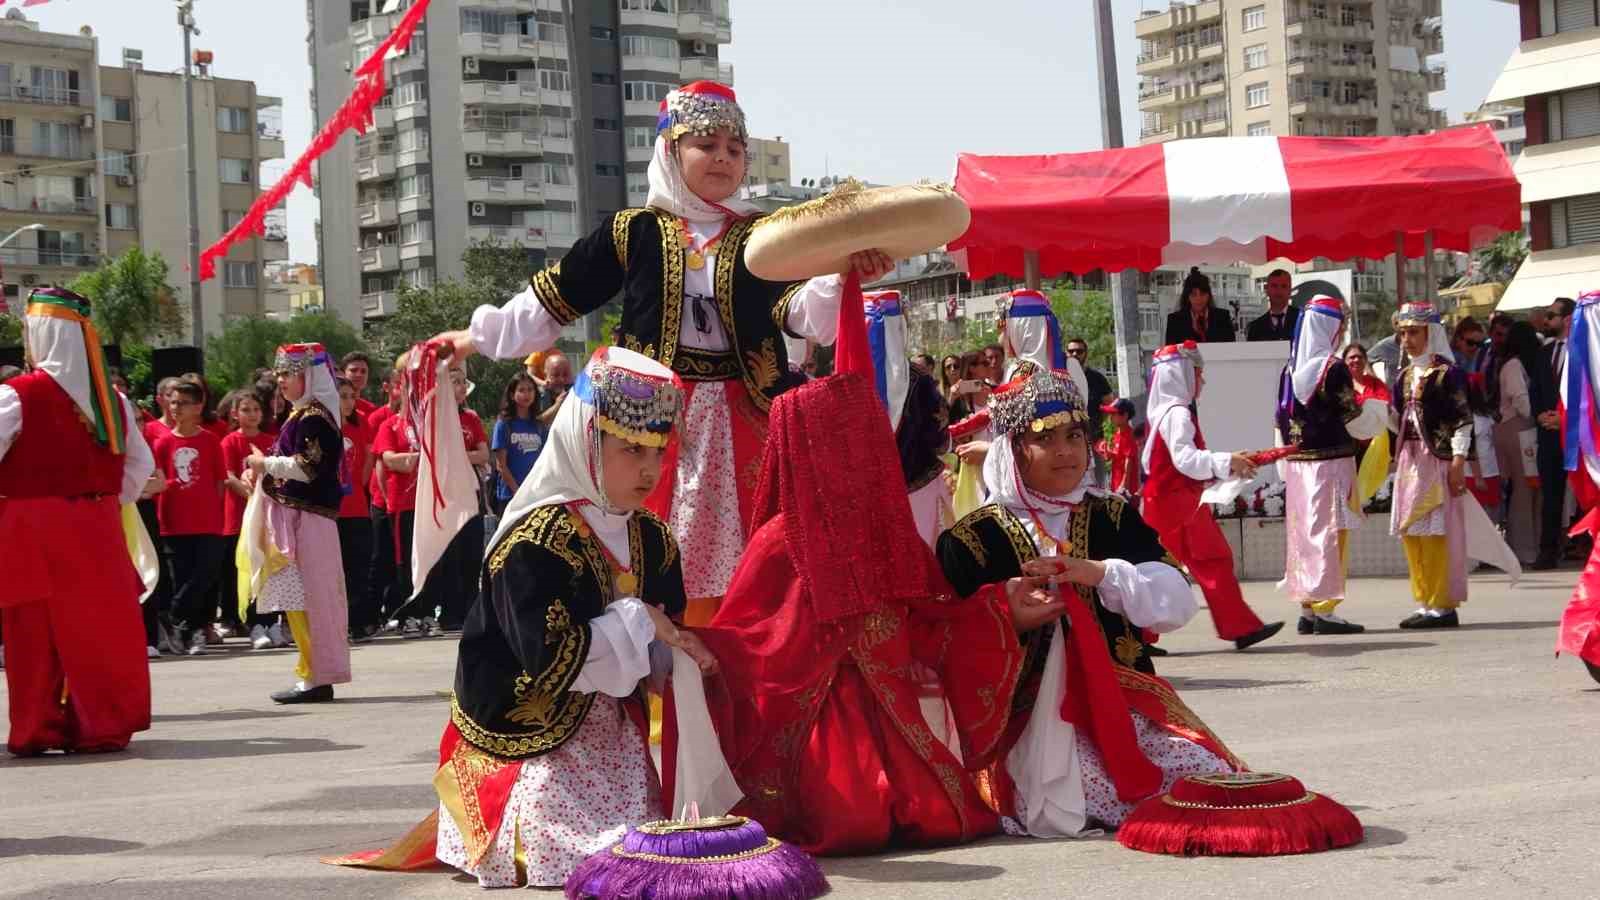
(186, 24)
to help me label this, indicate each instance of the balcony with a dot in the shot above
(52, 206)
(644, 62)
(566, 192)
(1191, 91)
(379, 304)
(1333, 108)
(416, 251)
(698, 68)
(1156, 134)
(1179, 15)
(1300, 25)
(495, 142)
(519, 93)
(1156, 61)
(486, 45)
(372, 29)
(1157, 96)
(274, 246)
(383, 117)
(380, 259)
(409, 205)
(43, 96)
(410, 61)
(1193, 53)
(662, 18)
(51, 259)
(514, 191)
(640, 108)
(16, 146)
(409, 158)
(1435, 78)
(377, 214)
(1211, 125)
(377, 168)
(639, 154)
(532, 238)
(407, 112)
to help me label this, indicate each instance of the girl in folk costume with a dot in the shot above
(1092, 730)
(70, 455)
(1030, 333)
(289, 542)
(1434, 422)
(690, 303)
(840, 635)
(544, 760)
(1580, 623)
(1177, 468)
(1318, 413)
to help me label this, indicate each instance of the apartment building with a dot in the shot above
(1555, 77)
(513, 120)
(94, 154)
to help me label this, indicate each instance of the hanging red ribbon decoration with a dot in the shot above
(355, 115)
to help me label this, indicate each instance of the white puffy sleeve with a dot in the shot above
(1373, 419)
(10, 418)
(619, 650)
(814, 309)
(1177, 429)
(137, 460)
(520, 327)
(1152, 595)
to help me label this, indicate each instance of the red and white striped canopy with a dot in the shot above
(1248, 199)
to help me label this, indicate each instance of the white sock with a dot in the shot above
(1436, 613)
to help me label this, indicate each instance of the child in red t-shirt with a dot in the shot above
(355, 523)
(190, 512)
(246, 414)
(396, 448)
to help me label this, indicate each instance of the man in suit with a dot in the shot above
(1552, 469)
(1277, 323)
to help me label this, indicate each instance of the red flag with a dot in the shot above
(27, 3)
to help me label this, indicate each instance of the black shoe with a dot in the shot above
(1257, 636)
(322, 693)
(1328, 626)
(1153, 650)
(1418, 620)
(1544, 563)
(1306, 625)
(1594, 670)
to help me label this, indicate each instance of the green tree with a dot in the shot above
(1499, 260)
(131, 298)
(1089, 319)
(250, 343)
(1374, 309)
(10, 330)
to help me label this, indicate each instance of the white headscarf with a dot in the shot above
(669, 192)
(321, 385)
(1172, 385)
(57, 349)
(568, 468)
(1316, 338)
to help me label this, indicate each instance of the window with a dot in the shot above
(412, 140)
(116, 109)
(415, 186)
(557, 174)
(1258, 129)
(1575, 220)
(410, 92)
(1255, 56)
(1515, 120)
(551, 33)
(1571, 15)
(563, 221)
(1574, 114)
(656, 6)
(601, 33)
(640, 136)
(119, 215)
(60, 247)
(608, 170)
(1514, 148)
(1256, 96)
(557, 127)
(57, 139)
(54, 85)
(239, 275)
(606, 124)
(1354, 129)
(638, 187)
(774, 159)
(603, 78)
(552, 80)
(645, 45)
(230, 218)
(416, 232)
(651, 91)
(8, 136)
(118, 162)
(232, 119)
(235, 171)
(1255, 17)
(421, 279)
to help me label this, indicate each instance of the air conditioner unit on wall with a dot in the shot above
(700, 48)
(480, 209)
(125, 180)
(88, 120)
(469, 65)
(474, 159)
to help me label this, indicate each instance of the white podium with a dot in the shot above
(1240, 397)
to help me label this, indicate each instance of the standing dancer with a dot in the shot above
(1318, 413)
(1580, 623)
(70, 453)
(291, 537)
(690, 303)
(1434, 421)
(1177, 468)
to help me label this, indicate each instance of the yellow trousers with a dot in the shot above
(1429, 561)
(300, 627)
(1326, 607)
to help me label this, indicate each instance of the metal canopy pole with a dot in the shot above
(1030, 270)
(1399, 269)
(1122, 286)
(1430, 284)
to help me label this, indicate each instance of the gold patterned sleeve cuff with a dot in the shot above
(780, 310)
(547, 287)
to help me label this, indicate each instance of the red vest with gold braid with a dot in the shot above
(55, 454)
(1170, 497)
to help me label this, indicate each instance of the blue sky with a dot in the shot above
(885, 91)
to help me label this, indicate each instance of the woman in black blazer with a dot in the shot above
(1198, 318)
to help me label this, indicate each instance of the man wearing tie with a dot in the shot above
(1277, 323)
(1552, 470)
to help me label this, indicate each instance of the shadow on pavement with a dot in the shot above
(1507, 626)
(1330, 645)
(428, 697)
(1377, 836)
(254, 887)
(226, 715)
(62, 845)
(158, 749)
(890, 871)
(1228, 684)
(418, 797)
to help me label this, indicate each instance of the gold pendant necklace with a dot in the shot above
(695, 260)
